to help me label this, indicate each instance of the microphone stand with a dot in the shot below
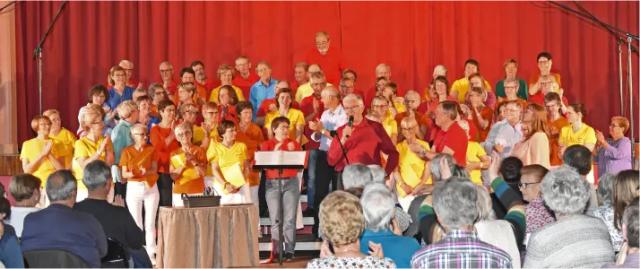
(37, 53)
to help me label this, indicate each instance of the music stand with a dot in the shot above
(280, 160)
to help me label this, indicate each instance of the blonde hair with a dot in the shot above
(341, 218)
(88, 117)
(47, 113)
(126, 108)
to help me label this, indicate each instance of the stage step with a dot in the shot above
(303, 243)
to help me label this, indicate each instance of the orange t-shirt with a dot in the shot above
(554, 135)
(134, 160)
(252, 137)
(163, 151)
(487, 114)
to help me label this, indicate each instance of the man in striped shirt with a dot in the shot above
(454, 202)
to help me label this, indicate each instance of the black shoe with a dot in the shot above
(288, 256)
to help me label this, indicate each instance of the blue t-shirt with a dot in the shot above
(395, 247)
(115, 98)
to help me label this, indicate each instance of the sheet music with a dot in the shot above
(280, 157)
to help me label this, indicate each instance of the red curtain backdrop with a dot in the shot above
(412, 37)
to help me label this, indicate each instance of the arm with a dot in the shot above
(623, 151)
(388, 148)
(299, 131)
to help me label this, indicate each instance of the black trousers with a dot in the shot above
(325, 182)
(165, 187)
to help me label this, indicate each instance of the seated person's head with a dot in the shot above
(341, 218)
(626, 188)
(510, 170)
(530, 179)
(605, 189)
(564, 191)
(356, 175)
(631, 225)
(25, 189)
(484, 204)
(436, 170)
(379, 206)
(62, 188)
(97, 178)
(579, 157)
(454, 202)
(377, 173)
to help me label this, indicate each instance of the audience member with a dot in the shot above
(579, 158)
(116, 221)
(342, 223)
(454, 202)
(379, 208)
(496, 232)
(626, 188)
(60, 227)
(630, 257)
(10, 252)
(25, 189)
(537, 214)
(605, 209)
(574, 240)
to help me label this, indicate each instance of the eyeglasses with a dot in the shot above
(351, 107)
(407, 128)
(523, 185)
(165, 70)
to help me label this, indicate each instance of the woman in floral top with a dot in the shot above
(342, 223)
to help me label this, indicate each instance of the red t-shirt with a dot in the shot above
(538, 98)
(330, 63)
(270, 145)
(454, 138)
(264, 106)
(245, 84)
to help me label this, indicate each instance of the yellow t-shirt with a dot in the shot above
(30, 151)
(85, 148)
(411, 166)
(190, 181)
(462, 86)
(474, 153)
(585, 135)
(295, 118)
(214, 94)
(390, 125)
(399, 106)
(198, 135)
(66, 139)
(305, 90)
(227, 157)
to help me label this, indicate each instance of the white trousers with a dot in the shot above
(139, 195)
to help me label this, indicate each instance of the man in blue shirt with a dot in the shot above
(60, 227)
(264, 88)
(378, 204)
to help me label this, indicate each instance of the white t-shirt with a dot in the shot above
(17, 217)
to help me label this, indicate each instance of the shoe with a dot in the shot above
(289, 256)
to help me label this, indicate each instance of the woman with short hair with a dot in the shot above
(295, 116)
(41, 155)
(230, 166)
(614, 155)
(188, 165)
(140, 169)
(61, 135)
(342, 223)
(574, 240)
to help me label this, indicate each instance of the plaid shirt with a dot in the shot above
(461, 249)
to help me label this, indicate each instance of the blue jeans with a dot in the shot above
(312, 174)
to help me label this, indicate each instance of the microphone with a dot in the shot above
(350, 121)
